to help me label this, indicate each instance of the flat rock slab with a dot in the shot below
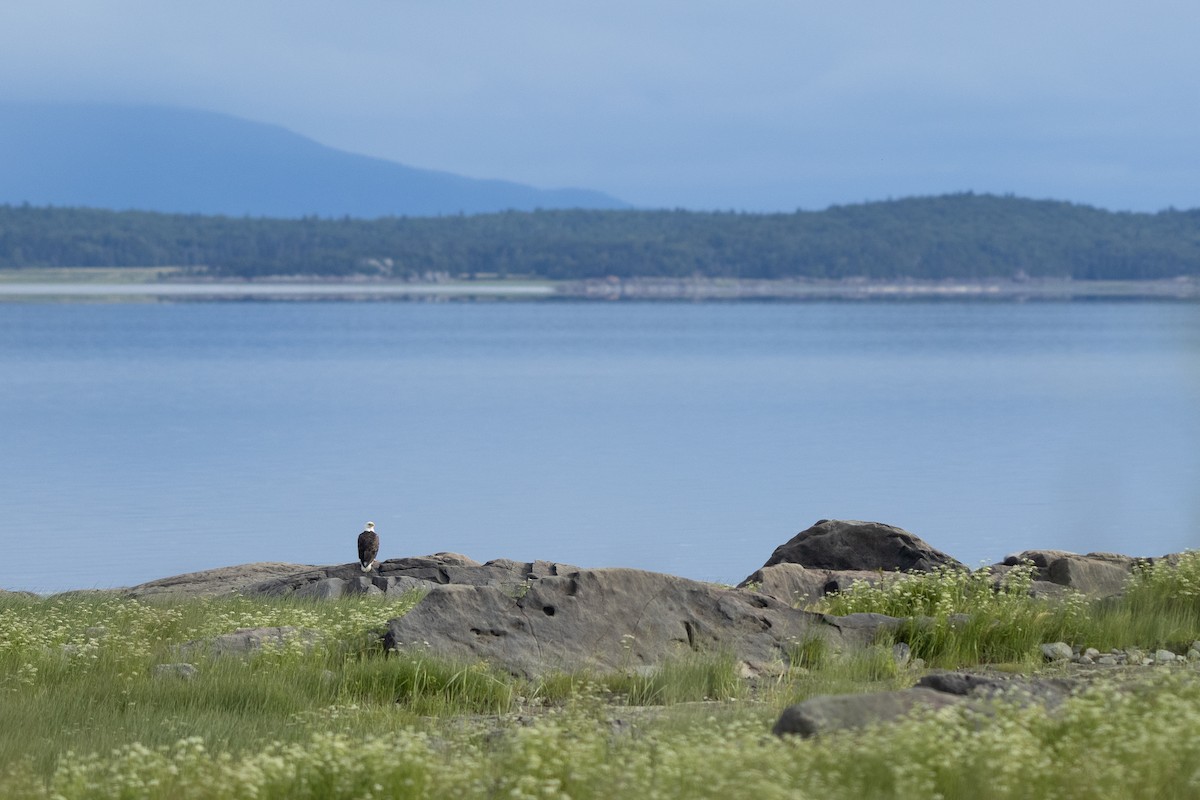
(607, 620)
(833, 544)
(215, 582)
(829, 713)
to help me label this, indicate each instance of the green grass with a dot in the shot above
(82, 715)
(960, 618)
(87, 274)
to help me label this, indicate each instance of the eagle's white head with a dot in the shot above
(370, 526)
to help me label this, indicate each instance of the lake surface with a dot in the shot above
(145, 440)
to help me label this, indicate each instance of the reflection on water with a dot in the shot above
(146, 440)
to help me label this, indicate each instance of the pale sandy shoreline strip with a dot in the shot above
(266, 290)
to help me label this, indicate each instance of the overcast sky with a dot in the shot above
(696, 104)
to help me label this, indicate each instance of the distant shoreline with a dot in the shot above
(154, 285)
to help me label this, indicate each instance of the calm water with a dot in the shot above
(145, 440)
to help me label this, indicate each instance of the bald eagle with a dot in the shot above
(368, 547)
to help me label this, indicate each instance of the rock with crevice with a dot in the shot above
(397, 576)
(606, 620)
(801, 586)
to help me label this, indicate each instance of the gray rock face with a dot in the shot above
(798, 585)
(829, 713)
(215, 582)
(397, 576)
(1095, 574)
(852, 545)
(612, 619)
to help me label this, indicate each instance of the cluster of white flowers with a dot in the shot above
(1166, 581)
(940, 593)
(1109, 741)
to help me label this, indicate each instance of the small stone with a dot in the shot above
(1092, 652)
(1164, 656)
(1085, 659)
(1057, 651)
(1196, 646)
(1108, 661)
(1147, 662)
(185, 671)
(1193, 654)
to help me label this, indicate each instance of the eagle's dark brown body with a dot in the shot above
(368, 548)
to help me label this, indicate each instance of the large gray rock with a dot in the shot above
(1095, 574)
(608, 620)
(397, 576)
(833, 544)
(215, 582)
(798, 585)
(828, 713)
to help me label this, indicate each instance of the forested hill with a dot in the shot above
(953, 236)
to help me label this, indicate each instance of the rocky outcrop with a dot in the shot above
(613, 619)
(215, 582)
(828, 713)
(1095, 574)
(833, 544)
(397, 576)
(392, 577)
(800, 586)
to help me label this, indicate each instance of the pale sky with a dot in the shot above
(750, 105)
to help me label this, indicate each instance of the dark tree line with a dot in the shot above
(952, 236)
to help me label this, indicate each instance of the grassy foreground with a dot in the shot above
(83, 715)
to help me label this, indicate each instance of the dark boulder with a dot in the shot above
(833, 544)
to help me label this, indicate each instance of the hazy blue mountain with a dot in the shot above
(176, 160)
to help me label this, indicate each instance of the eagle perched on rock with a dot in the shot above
(368, 547)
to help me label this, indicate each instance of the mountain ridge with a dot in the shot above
(175, 160)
